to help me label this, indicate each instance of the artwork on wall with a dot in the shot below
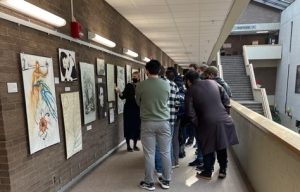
(121, 86)
(40, 99)
(100, 67)
(128, 73)
(72, 122)
(67, 65)
(87, 72)
(110, 80)
(297, 88)
(102, 100)
(111, 115)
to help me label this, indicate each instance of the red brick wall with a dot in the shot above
(48, 169)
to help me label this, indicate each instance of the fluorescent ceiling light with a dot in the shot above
(262, 31)
(101, 40)
(146, 59)
(130, 53)
(34, 12)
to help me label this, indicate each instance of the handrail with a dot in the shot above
(286, 136)
(219, 64)
(262, 95)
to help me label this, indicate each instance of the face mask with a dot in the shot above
(135, 80)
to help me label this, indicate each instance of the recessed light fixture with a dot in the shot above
(130, 53)
(34, 12)
(97, 38)
(260, 32)
(146, 59)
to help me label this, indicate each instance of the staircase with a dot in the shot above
(234, 74)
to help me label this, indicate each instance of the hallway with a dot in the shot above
(123, 172)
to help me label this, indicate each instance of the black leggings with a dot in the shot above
(128, 142)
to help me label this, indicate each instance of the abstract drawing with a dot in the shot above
(128, 73)
(110, 79)
(87, 72)
(102, 100)
(67, 64)
(41, 109)
(72, 122)
(100, 67)
(297, 87)
(121, 86)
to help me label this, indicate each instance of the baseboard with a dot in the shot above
(75, 180)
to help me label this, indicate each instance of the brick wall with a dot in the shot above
(48, 169)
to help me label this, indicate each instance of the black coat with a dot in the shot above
(206, 106)
(131, 115)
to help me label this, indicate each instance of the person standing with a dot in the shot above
(132, 122)
(152, 96)
(214, 127)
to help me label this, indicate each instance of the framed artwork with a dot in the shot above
(100, 67)
(110, 80)
(128, 73)
(111, 115)
(72, 122)
(121, 85)
(297, 87)
(102, 100)
(87, 72)
(67, 65)
(40, 99)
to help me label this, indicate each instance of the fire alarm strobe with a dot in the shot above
(76, 30)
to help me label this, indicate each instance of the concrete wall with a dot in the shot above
(285, 90)
(257, 52)
(268, 153)
(48, 169)
(267, 76)
(258, 13)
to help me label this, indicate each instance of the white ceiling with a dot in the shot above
(186, 30)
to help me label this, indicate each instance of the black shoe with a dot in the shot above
(147, 186)
(163, 183)
(200, 167)
(196, 162)
(129, 149)
(136, 149)
(222, 173)
(204, 175)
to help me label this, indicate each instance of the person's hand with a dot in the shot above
(117, 90)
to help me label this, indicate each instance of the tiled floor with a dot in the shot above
(124, 170)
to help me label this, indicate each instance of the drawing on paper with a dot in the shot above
(110, 80)
(72, 122)
(41, 109)
(67, 64)
(100, 67)
(128, 73)
(121, 86)
(88, 91)
(101, 98)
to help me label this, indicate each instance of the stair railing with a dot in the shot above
(219, 64)
(259, 94)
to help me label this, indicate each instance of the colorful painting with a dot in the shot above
(67, 64)
(87, 72)
(72, 122)
(102, 99)
(100, 67)
(110, 79)
(128, 73)
(121, 86)
(41, 108)
(297, 89)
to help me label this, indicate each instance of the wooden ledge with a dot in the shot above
(284, 135)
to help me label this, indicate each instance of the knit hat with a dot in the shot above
(211, 70)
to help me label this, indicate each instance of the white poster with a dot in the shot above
(128, 73)
(87, 72)
(67, 65)
(100, 67)
(72, 122)
(121, 86)
(110, 80)
(40, 98)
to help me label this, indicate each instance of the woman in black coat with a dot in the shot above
(131, 115)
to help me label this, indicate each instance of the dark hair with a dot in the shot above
(62, 56)
(192, 76)
(203, 67)
(173, 69)
(194, 66)
(170, 75)
(153, 67)
(162, 71)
